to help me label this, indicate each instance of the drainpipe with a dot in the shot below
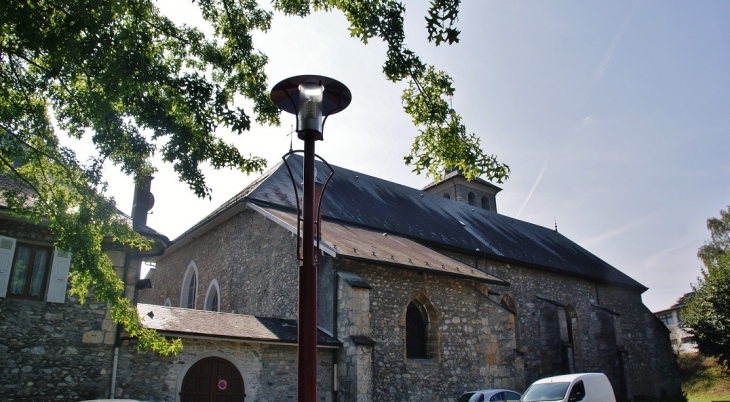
(117, 335)
(114, 372)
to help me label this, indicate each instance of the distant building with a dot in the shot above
(682, 341)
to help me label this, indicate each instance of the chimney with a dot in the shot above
(143, 201)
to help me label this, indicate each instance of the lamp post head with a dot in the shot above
(312, 98)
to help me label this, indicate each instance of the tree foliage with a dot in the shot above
(139, 85)
(707, 313)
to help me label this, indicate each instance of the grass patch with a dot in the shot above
(703, 379)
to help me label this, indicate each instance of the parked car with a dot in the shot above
(583, 387)
(486, 395)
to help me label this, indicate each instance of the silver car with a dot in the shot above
(486, 395)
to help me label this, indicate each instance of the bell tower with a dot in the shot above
(478, 193)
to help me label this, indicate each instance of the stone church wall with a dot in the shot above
(475, 336)
(562, 323)
(611, 330)
(252, 258)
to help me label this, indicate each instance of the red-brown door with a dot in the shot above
(212, 380)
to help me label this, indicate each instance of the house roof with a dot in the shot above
(197, 323)
(144, 230)
(358, 200)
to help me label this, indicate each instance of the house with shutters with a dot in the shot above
(422, 294)
(51, 346)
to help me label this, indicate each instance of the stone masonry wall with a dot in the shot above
(355, 371)
(269, 371)
(611, 322)
(53, 351)
(252, 258)
(475, 337)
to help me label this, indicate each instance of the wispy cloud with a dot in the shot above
(657, 258)
(532, 190)
(614, 232)
(608, 56)
(587, 121)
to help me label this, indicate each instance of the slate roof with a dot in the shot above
(196, 323)
(355, 243)
(144, 230)
(356, 199)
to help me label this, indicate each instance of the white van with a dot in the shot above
(583, 387)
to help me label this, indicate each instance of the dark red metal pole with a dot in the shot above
(307, 372)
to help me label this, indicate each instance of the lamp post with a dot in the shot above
(312, 99)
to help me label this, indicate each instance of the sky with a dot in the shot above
(614, 117)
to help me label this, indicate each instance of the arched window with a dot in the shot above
(421, 328)
(168, 302)
(447, 196)
(570, 317)
(416, 332)
(485, 202)
(212, 297)
(189, 291)
(471, 198)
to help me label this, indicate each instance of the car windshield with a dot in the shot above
(552, 391)
(465, 397)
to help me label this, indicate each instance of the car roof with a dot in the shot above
(490, 391)
(567, 377)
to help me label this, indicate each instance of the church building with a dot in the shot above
(422, 295)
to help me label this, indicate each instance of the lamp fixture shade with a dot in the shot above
(335, 96)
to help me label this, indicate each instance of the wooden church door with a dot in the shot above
(212, 379)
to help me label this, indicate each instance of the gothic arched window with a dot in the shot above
(416, 332)
(189, 291)
(212, 298)
(420, 320)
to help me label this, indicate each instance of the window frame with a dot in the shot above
(55, 284)
(29, 274)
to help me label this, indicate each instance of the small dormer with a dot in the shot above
(453, 185)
